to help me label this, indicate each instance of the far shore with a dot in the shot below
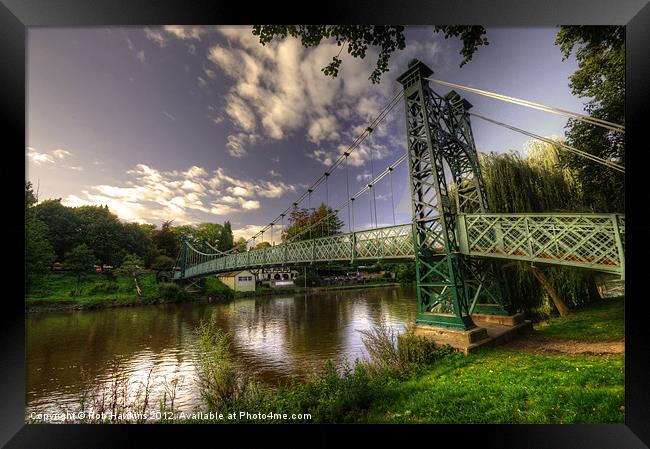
(35, 305)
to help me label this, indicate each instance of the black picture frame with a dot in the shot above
(17, 15)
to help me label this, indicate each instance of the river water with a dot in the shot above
(274, 338)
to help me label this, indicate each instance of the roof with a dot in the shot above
(233, 273)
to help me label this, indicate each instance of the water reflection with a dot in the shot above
(274, 338)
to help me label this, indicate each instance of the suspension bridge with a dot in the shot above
(458, 246)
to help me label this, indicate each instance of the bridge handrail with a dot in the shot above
(584, 240)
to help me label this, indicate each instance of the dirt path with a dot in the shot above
(551, 346)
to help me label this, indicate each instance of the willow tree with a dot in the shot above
(537, 182)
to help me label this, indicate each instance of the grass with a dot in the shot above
(57, 290)
(505, 386)
(601, 321)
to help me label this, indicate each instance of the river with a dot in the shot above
(274, 338)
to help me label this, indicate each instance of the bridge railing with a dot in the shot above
(392, 242)
(583, 240)
(595, 241)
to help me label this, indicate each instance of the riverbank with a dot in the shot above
(507, 384)
(59, 292)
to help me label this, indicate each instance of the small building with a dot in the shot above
(240, 281)
(277, 277)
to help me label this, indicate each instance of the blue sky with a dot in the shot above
(205, 124)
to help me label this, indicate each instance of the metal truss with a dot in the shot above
(593, 241)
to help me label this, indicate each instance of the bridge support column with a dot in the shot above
(442, 295)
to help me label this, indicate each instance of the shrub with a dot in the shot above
(162, 263)
(223, 388)
(336, 394)
(313, 280)
(171, 291)
(400, 354)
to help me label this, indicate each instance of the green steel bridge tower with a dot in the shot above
(449, 284)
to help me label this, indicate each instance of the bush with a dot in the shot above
(332, 396)
(163, 263)
(171, 291)
(313, 280)
(400, 355)
(223, 388)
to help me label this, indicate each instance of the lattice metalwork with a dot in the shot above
(442, 294)
(392, 243)
(583, 240)
(593, 241)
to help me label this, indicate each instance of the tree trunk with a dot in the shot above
(555, 297)
(594, 294)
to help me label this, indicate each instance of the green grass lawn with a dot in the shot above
(498, 385)
(94, 288)
(601, 321)
(505, 386)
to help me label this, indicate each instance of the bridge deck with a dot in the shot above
(592, 241)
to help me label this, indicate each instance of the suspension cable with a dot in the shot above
(347, 179)
(327, 196)
(584, 154)
(392, 201)
(583, 118)
(350, 201)
(372, 175)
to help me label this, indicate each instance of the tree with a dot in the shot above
(163, 263)
(600, 52)
(542, 186)
(240, 245)
(102, 231)
(80, 260)
(358, 38)
(305, 225)
(262, 245)
(212, 233)
(132, 266)
(39, 253)
(166, 240)
(63, 226)
(137, 240)
(226, 239)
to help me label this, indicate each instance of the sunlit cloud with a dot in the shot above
(152, 195)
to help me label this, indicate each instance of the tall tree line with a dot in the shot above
(53, 231)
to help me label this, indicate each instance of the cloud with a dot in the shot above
(39, 158)
(61, 153)
(279, 90)
(151, 195)
(156, 35)
(236, 144)
(140, 56)
(358, 157)
(53, 157)
(187, 32)
(249, 230)
(274, 173)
